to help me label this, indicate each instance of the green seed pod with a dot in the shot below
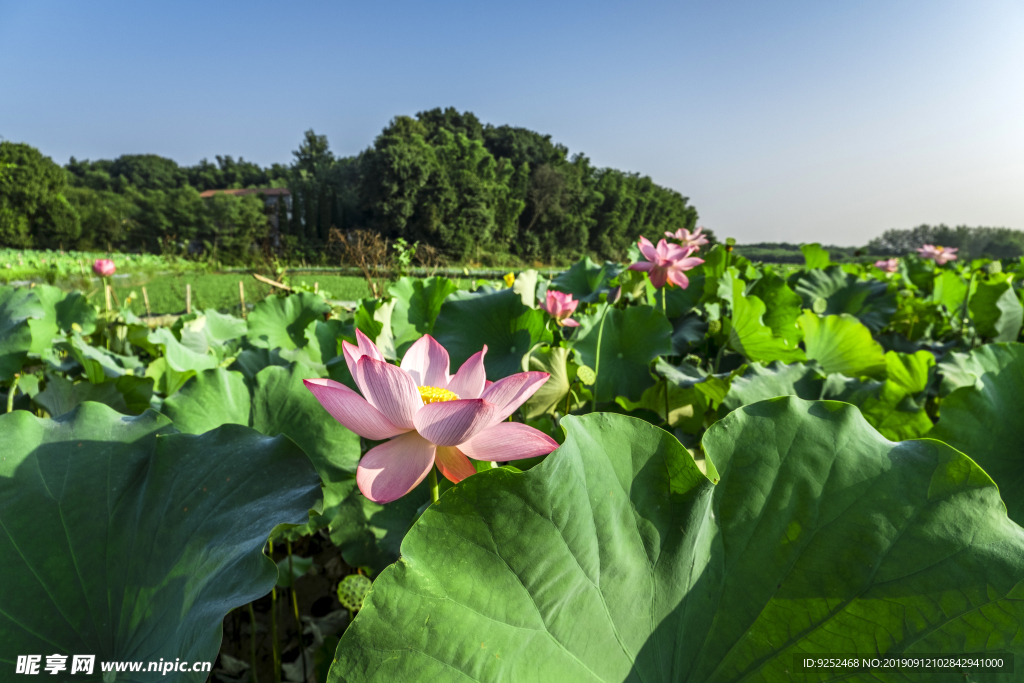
(352, 590)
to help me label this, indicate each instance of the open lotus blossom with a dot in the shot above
(940, 255)
(666, 262)
(429, 416)
(560, 306)
(688, 239)
(890, 265)
(103, 267)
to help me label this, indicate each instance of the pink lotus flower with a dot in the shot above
(940, 255)
(888, 265)
(688, 239)
(103, 267)
(429, 416)
(666, 262)
(560, 306)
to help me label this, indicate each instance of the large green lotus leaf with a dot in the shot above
(167, 380)
(99, 363)
(417, 303)
(684, 405)
(842, 292)
(748, 335)
(500, 320)
(630, 340)
(61, 395)
(209, 331)
(178, 356)
(250, 361)
(840, 343)
(281, 404)
(281, 322)
(369, 534)
(782, 307)
(124, 539)
(687, 331)
(759, 382)
(679, 300)
(208, 400)
(75, 309)
(18, 305)
(552, 394)
(896, 406)
(373, 318)
(45, 328)
(984, 420)
(617, 560)
(949, 289)
(997, 312)
(814, 256)
(525, 286)
(586, 280)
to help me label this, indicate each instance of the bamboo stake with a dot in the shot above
(106, 289)
(241, 298)
(188, 299)
(145, 297)
(272, 283)
(316, 287)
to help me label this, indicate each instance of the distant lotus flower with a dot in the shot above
(103, 267)
(510, 279)
(429, 416)
(560, 306)
(940, 255)
(666, 262)
(888, 265)
(688, 239)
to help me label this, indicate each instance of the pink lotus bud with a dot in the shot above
(103, 267)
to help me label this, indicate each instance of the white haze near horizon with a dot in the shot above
(797, 121)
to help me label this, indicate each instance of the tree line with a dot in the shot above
(471, 191)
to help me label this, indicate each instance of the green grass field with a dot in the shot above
(218, 290)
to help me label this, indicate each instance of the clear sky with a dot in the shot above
(790, 120)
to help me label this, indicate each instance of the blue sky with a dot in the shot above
(802, 121)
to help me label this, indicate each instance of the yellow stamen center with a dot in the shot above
(437, 395)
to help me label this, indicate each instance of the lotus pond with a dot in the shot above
(684, 471)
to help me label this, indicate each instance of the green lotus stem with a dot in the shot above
(10, 393)
(667, 425)
(295, 606)
(432, 480)
(718, 356)
(252, 643)
(963, 309)
(273, 626)
(597, 359)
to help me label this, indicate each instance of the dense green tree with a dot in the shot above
(523, 146)
(33, 210)
(232, 227)
(442, 178)
(226, 174)
(451, 120)
(149, 172)
(107, 217)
